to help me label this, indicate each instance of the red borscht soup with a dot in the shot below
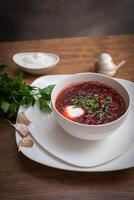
(90, 103)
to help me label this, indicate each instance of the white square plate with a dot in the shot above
(39, 154)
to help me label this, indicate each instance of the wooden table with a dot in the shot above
(21, 178)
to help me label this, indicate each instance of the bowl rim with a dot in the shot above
(88, 125)
(35, 68)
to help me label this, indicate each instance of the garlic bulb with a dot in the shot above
(105, 64)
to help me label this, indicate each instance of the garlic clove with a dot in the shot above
(25, 142)
(22, 129)
(23, 119)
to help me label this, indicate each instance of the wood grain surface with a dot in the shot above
(21, 178)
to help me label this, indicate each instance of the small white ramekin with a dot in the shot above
(39, 70)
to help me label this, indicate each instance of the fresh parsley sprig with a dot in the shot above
(14, 92)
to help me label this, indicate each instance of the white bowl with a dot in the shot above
(50, 61)
(83, 131)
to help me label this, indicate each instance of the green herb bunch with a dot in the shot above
(14, 92)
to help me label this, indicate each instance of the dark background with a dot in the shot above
(41, 19)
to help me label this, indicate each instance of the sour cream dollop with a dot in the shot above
(73, 112)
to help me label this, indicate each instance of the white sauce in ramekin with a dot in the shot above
(37, 60)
